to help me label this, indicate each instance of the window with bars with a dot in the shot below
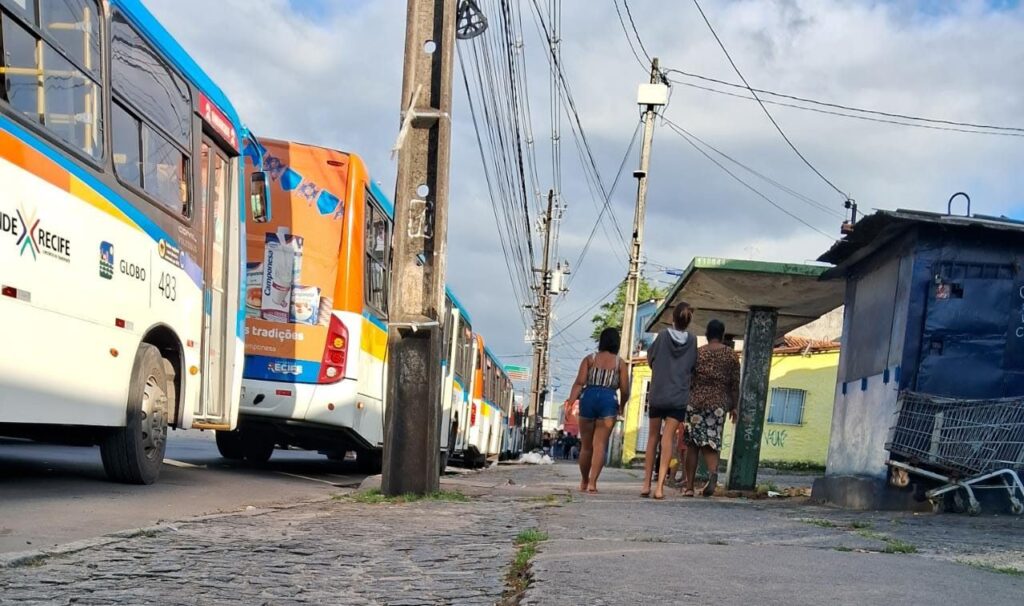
(50, 69)
(787, 407)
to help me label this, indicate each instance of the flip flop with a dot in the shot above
(645, 495)
(657, 498)
(688, 492)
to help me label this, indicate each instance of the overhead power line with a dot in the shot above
(679, 131)
(579, 316)
(850, 108)
(632, 24)
(763, 107)
(994, 133)
(629, 39)
(792, 192)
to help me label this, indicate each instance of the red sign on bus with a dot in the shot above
(213, 116)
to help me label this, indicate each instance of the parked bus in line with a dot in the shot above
(485, 410)
(318, 277)
(120, 233)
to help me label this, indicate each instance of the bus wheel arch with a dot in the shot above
(167, 342)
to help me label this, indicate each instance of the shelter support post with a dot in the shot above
(758, 344)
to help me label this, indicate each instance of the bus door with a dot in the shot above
(215, 406)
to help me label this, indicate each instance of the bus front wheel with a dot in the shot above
(229, 444)
(133, 454)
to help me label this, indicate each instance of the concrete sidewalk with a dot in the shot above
(616, 548)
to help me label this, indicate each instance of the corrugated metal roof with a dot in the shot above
(875, 231)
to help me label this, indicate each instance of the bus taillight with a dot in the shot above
(472, 415)
(332, 369)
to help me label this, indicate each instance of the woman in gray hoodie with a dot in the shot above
(671, 357)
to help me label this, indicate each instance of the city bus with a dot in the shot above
(316, 307)
(485, 411)
(456, 372)
(121, 232)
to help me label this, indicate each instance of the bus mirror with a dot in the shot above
(259, 197)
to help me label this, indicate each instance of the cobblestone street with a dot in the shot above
(611, 548)
(334, 552)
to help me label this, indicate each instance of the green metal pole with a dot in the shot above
(758, 344)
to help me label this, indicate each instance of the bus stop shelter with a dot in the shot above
(768, 300)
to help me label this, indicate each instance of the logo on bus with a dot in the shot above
(32, 238)
(106, 260)
(283, 368)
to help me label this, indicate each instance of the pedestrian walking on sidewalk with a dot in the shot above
(603, 380)
(715, 394)
(671, 358)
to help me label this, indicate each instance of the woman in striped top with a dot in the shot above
(603, 381)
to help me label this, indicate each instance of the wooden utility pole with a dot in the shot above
(412, 417)
(651, 96)
(539, 391)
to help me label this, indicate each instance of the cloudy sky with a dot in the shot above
(329, 72)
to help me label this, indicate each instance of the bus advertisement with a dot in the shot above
(317, 276)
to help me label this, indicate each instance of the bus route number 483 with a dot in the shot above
(169, 286)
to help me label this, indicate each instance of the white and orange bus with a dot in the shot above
(317, 279)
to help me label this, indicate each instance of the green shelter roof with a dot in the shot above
(725, 289)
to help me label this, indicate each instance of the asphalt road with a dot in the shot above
(51, 495)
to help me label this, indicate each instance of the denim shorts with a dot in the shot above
(599, 403)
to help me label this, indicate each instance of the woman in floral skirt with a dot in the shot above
(714, 394)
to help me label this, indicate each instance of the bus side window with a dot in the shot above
(378, 248)
(153, 102)
(55, 86)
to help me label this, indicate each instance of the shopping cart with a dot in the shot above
(961, 444)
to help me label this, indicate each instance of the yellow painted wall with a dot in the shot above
(634, 410)
(807, 442)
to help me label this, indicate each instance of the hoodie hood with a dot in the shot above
(679, 337)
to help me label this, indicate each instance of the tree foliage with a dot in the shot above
(611, 312)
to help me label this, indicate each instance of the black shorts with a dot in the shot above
(671, 413)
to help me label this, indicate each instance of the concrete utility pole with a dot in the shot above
(412, 419)
(651, 96)
(541, 349)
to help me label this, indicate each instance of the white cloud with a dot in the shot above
(334, 78)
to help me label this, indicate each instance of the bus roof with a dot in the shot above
(384, 200)
(490, 353)
(458, 305)
(142, 18)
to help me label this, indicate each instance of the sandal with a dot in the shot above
(688, 492)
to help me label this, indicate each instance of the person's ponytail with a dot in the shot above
(682, 315)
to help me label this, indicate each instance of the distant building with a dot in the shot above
(934, 304)
(801, 391)
(644, 312)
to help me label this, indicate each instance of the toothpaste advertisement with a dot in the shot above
(292, 263)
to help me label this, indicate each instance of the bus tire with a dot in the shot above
(257, 446)
(370, 462)
(229, 445)
(133, 454)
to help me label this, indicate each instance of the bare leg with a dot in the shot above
(666, 457)
(691, 466)
(602, 429)
(711, 461)
(652, 447)
(586, 449)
